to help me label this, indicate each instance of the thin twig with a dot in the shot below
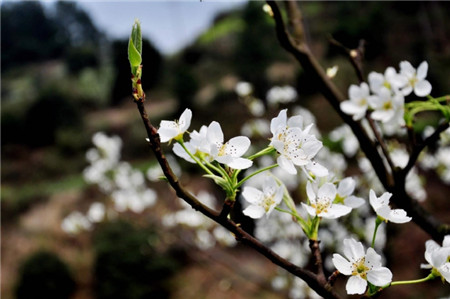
(420, 147)
(393, 182)
(381, 142)
(355, 56)
(309, 277)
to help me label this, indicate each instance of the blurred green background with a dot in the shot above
(63, 79)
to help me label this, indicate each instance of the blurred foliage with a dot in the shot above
(128, 266)
(43, 275)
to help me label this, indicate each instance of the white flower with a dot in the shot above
(295, 145)
(262, 202)
(243, 89)
(344, 193)
(96, 212)
(169, 130)
(390, 80)
(281, 95)
(415, 80)
(228, 153)
(321, 204)
(332, 71)
(362, 267)
(382, 208)
(438, 257)
(75, 222)
(359, 101)
(387, 107)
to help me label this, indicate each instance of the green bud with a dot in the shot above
(135, 47)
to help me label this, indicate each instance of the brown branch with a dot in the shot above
(309, 277)
(420, 147)
(315, 250)
(393, 182)
(380, 142)
(355, 56)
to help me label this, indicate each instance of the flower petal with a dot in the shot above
(346, 187)
(353, 250)
(311, 211)
(240, 163)
(398, 216)
(254, 211)
(252, 195)
(185, 120)
(237, 146)
(286, 164)
(380, 276)
(279, 121)
(373, 259)
(214, 133)
(344, 266)
(336, 211)
(356, 285)
(422, 70)
(354, 202)
(327, 190)
(422, 88)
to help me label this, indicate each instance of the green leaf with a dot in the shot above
(133, 55)
(136, 36)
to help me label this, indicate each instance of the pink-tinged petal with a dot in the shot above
(380, 276)
(254, 211)
(286, 164)
(185, 120)
(279, 121)
(356, 285)
(346, 187)
(422, 70)
(398, 216)
(354, 202)
(353, 250)
(214, 133)
(237, 146)
(373, 259)
(341, 264)
(422, 88)
(327, 190)
(240, 163)
(295, 121)
(310, 192)
(310, 210)
(336, 211)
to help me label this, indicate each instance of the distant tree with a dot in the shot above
(27, 34)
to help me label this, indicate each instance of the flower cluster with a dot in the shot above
(389, 90)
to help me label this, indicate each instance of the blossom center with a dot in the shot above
(268, 202)
(387, 105)
(322, 205)
(413, 81)
(359, 268)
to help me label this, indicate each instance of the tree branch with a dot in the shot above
(309, 277)
(393, 182)
(355, 56)
(420, 147)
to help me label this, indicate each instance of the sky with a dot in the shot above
(170, 25)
